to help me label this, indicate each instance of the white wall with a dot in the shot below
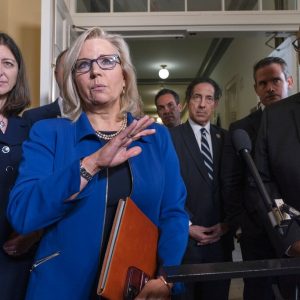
(238, 63)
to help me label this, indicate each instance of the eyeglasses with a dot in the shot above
(105, 62)
(198, 98)
(296, 45)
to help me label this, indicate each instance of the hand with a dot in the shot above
(155, 289)
(294, 250)
(116, 151)
(20, 244)
(206, 235)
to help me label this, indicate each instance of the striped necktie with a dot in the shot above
(207, 157)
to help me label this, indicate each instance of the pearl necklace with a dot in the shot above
(2, 123)
(108, 137)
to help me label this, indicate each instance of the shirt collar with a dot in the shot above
(196, 127)
(83, 127)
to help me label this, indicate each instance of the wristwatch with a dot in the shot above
(84, 173)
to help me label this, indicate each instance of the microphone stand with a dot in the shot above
(274, 214)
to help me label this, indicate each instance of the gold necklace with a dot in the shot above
(108, 137)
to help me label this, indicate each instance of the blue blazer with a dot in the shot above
(68, 257)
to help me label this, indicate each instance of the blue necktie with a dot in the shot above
(207, 157)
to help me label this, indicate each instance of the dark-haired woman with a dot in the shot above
(15, 249)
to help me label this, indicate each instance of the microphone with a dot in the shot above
(283, 232)
(242, 145)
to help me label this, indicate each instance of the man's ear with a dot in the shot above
(179, 107)
(290, 82)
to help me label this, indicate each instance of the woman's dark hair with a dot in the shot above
(18, 98)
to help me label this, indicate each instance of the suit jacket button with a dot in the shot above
(9, 169)
(5, 149)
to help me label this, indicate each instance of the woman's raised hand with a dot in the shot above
(117, 150)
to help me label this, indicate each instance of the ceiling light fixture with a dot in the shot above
(163, 73)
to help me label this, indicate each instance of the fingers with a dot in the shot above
(116, 151)
(138, 129)
(207, 241)
(154, 289)
(134, 151)
(12, 251)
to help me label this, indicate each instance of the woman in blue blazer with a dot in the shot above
(75, 169)
(15, 254)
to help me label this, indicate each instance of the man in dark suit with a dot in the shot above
(271, 83)
(198, 144)
(168, 107)
(52, 110)
(277, 159)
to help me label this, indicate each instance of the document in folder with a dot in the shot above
(132, 242)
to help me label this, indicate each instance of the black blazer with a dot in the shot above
(14, 273)
(10, 156)
(48, 111)
(277, 154)
(234, 173)
(203, 200)
(203, 203)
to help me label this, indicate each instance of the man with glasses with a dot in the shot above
(272, 83)
(198, 144)
(54, 109)
(168, 107)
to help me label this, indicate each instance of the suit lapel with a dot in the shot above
(216, 140)
(296, 117)
(16, 132)
(255, 119)
(192, 146)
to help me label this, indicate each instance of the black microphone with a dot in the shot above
(242, 145)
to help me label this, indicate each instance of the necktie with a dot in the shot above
(207, 157)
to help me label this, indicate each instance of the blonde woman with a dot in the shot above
(76, 168)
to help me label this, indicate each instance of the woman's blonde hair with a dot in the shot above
(130, 99)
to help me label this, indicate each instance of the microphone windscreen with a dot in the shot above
(241, 140)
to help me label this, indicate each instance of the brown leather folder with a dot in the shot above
(132, 242)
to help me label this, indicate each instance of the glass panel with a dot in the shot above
(279, 5)
(241, 4)
(83, 6)
(130, 5)
(204, 5)
(167, 5)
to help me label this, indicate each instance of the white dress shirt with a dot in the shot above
(196, 128)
